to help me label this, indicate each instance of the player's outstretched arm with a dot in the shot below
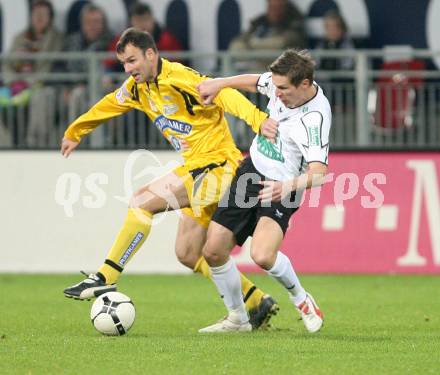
(277, 190)
(209, 89)
(67, 146)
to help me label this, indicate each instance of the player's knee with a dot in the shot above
(186, 255)
(211, 253)
(136, 199)
(141, 199)
(262, 257)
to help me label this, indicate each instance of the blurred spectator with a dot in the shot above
(142, 18)
(40, 36)
(336, 37)
(94, 35)
(281, 27)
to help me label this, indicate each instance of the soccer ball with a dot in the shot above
(113, 314)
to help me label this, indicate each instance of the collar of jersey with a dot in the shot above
(162, 70)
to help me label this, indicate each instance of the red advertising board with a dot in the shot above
(379, 213)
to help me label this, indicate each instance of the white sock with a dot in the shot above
(227, 280)
(284, 273)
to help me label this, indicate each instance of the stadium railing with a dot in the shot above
(384, 106)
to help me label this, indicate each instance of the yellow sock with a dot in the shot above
(129, 240)
(203, 267)
(252, 294)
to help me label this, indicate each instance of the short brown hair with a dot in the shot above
(296, 65)
(137, 38)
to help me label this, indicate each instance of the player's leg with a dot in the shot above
(191, 236)
(226, 277)
(167, 192)
(206, 186)
(266, 241)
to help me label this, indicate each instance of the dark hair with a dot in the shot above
(44, 3)
(336, 16)
(139, 9)
(90, 8)
(137, 38)
(296, 65)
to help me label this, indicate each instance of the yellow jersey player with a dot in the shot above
(167, 93)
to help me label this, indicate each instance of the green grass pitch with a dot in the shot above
(374, 325)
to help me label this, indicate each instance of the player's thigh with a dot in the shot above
(266, 240)
(166, 192)
(219, 244)
(191, 237)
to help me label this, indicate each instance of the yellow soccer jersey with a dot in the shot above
(173, 104)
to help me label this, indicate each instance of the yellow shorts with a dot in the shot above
(205, 187)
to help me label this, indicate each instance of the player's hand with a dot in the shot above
(208, 90)
(274, 191)
(269, 129)
(67, 146)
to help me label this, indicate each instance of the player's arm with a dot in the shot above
(277, 190)
(315, 136)
(233, 102)
(209, 89)
(222, 92)
(112, 105)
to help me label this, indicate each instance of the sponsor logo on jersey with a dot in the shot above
(163, 123)
(131, 248)
(270, 150)
(314, 138)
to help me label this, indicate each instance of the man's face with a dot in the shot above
(140, 65)
(290, 95)
(144, 22)
(92, 25)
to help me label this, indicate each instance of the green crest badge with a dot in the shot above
(270, 150)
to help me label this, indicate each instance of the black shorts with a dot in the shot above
(239, 210)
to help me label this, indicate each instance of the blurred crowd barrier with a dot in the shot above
(386, 102)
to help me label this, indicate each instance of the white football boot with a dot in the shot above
(231, 323)
(311, 315)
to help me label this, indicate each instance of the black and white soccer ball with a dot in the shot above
(113, 314)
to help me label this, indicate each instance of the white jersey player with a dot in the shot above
(275, 173)
(302, 136)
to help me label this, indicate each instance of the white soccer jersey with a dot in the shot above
(303, 134)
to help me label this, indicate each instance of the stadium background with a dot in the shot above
(58, 216)
(77, 203)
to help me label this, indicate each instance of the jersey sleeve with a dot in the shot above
(235, 103)
(114, 104)
(316, 126)
(265, 85)
(230, 100)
